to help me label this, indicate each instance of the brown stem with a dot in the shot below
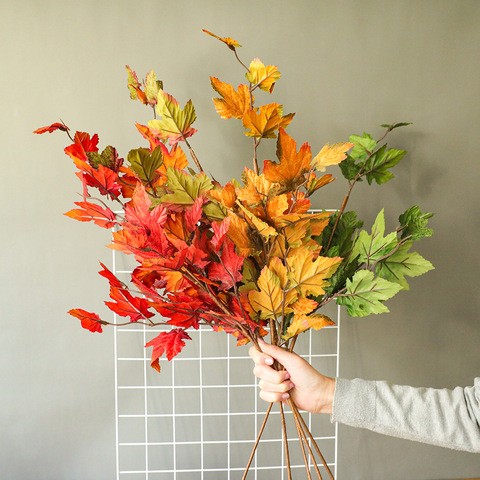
(297, 417)
(300, 438)
(285, 441)
(255, 160)
(256, 442)
(195, 159)
(305, 427)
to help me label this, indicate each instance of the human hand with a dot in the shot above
(309, 389)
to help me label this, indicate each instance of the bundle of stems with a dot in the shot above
(305, 437)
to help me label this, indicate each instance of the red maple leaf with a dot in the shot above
(104, 179)
(126, 305)
(182, 310)
(229, 269)
(90, 321)
(103, 217)
(171, 343)
(83, 144)
(219, 232)
(51, 128)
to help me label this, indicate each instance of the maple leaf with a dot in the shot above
(171, 343)
(413, 224)
(302, 322)
(186, 188)
(290, 172)
(108, 158)
(304, 306)
(103, 178)
(276, 206)
(175, 122)
(132, 83)
(309, 276)
(370, 248)
(226, 196)
(112, 279)
(145, 162)
(90, 321)
(182, 310)
(139, 213)
(229, 42)
(52, 128)
(81, 146)
(262, 227)
(403, 263)
(262, 76)
(241, 234)
(152, 88)
(233, 104)
(153, 139)
(220, 233)
(229, 270)
(331, 155)
(273, 298)
(256, 188)
(314, 183)
(263, 122)
(126, 305)
(194, 214)
(366, 293)
(103, 217)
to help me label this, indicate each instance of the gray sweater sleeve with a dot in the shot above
(447, 418)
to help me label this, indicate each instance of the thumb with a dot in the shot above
(283, 356)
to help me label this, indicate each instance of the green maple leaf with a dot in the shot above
(364, 146)
(185, 188)
(152, 87)
(377, 165)
(174, 123)
(366, 293)
(145, 162)
(371, 248)
(403, 263)
(413, 223)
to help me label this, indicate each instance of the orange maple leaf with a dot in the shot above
(300, 323)
(263, 122)
(226, 196)
(233, 103)
(290, 172)
(256, 188)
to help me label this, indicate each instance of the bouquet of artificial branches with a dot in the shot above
(246, 258)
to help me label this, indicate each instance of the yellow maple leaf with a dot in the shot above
(233, 103)
(278, 268)
(262, 76)
(309, 276)
(302, 322)
(262, 227)
(290, 172)
(317, 221)
(263, 122)
(331, 155)
(269, 300)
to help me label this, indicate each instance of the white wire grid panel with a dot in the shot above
(199, 418)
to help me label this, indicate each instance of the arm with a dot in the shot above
(446, 418)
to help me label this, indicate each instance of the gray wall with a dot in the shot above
(347, 67)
